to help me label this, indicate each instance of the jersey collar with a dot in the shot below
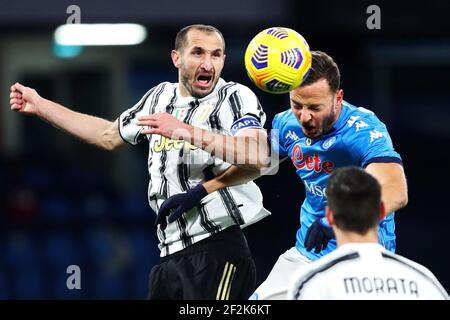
(342, 120)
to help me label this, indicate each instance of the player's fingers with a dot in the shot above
(150, 131)
(15, 94)
(17, 87)
(310, 241)
(175, 215)
(16, 107)
(152, 117)
(167, 206)
(325, 243)
(148, 122)
(318, 243)
(15, 101)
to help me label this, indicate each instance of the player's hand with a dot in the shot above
(178, 204)
(24, 99)
(163, 124)
(318, 235)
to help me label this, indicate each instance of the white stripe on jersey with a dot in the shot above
(365, 271)
(176, 166)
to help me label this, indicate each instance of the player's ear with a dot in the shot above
(339, 97)
(382, 210)
(176, 58)
(329, 215)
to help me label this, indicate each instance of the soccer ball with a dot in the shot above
(278, 60)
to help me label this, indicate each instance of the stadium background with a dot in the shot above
(63, 202)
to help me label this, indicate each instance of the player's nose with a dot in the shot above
(304, 116)
(207, 63)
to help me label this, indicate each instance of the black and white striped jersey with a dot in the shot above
(365, 271)
(176, 166)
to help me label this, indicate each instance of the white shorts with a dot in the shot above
(276, 286)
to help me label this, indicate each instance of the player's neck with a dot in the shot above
(344, 237)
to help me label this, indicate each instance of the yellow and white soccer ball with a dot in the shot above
(278, 60)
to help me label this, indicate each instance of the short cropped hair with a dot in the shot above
(323, 67)
(181, 38)
(354, 196)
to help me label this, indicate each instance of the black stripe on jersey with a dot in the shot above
(230, 204)
(184, 237)
(155, 98)
(254, 116)
(260, 109)
(163, 188)
(126, 120)
(214, 121)
(182, 169)
(208, 224)
(313, 273)
(139, 137)
(235, 103)
(183, 178)
(438, 287)
(384, 160)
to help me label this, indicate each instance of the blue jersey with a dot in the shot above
(357, 138)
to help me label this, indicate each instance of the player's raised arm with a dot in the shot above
(99, 132)
(248, 150)
(394, 190)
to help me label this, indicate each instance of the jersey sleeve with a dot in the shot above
(370, 142)
(277, 140)
(244, 111)
(129, 130)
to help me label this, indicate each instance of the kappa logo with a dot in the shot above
(328, 143)
(358, 124)
(375, 134)
(292, 135)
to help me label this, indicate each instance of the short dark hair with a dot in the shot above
(181, 38)
(323, 67)
(354, 196)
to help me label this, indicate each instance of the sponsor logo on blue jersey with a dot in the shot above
(315, 189)
(310, 162)
(292, 135)
(328, 143)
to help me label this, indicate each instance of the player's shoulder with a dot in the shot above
(159, 88)
(327, 262)
(319, 271)
(410, 264)
(284, 119)
(354, 114)
(236, 87)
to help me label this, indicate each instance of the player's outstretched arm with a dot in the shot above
(394, 190)
(248, 150)
(99, 132)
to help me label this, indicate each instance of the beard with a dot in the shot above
(184, 79)
(323, 128)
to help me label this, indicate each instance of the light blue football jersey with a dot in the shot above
(358, 138)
